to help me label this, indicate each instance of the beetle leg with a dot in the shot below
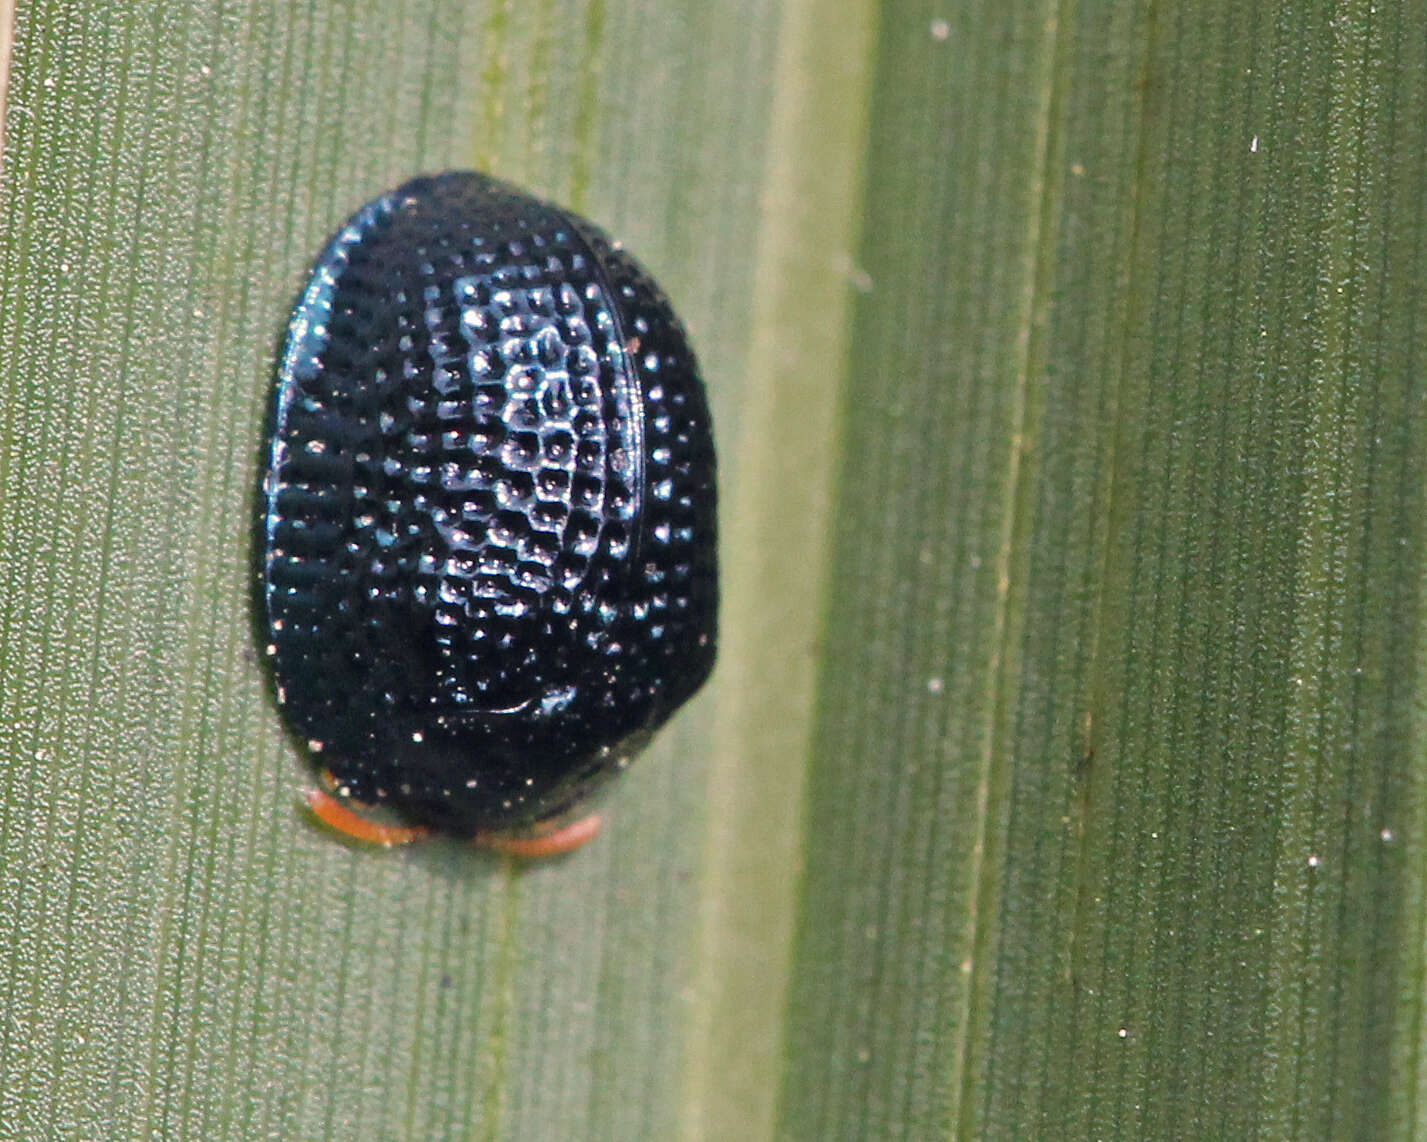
(565, 839)
(336, 815)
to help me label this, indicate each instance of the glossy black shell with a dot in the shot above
(488, 540)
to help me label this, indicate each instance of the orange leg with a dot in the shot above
(335, 815)
(563, 840)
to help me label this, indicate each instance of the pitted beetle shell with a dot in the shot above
(489, 539)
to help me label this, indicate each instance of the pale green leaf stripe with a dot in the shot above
(776, 550)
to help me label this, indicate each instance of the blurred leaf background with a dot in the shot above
(1061, 776)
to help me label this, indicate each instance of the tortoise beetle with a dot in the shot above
(488, 528)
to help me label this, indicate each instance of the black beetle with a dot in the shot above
(488, 536)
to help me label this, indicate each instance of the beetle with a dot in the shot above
(488, 568)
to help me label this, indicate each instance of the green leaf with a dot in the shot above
(1114, 822)
(1061, 775)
